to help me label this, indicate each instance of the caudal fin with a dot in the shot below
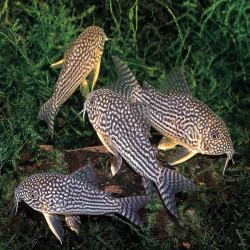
(171, 183)
(47, 113)
(131, 206)
(126, 83)
(148, 185)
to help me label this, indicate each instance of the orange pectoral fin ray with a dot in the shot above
(84, 88)
(116, 164)
(95, 75)
(166, 144)
(181, 155)
(92, 78)
(58, 64)
(55, 225)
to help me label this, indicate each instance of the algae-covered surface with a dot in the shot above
(208, 39)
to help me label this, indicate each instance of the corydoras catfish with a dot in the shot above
(123, 128)
(177, 115)
(73, 195)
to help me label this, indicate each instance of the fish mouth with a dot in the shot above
(85, 105)
(229, 157)
(84, 109)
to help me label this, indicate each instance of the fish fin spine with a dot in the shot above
(126, 84)
(181, 154)
(175, 82)
(55, 225)
(86, 174)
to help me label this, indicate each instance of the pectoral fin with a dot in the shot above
(73, 222)
(94, 75)
(58, 64)
(84, 88)
(117, 162)
(55, 225)
(182, 154)
(166, 144)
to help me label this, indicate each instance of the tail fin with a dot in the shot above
(126, 84)
(171, 183)
(47, 113)
(148, 185)
(131, 206)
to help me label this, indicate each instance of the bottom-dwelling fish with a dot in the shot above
(177, 115)
(73, 195)
(123, 128)
(82, 59)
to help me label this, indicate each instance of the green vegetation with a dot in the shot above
(208, 39)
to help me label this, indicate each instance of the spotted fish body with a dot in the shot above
(178, 116)
(81, 58)
(125, 134)
(73, 195)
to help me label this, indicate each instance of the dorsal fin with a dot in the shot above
(86, 174)
(126, 83)
(147, 86)
(68, 49)
(175, 82)
(142, 111)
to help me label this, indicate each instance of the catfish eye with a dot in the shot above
(215, 135)
(32, 195)
(91, 102)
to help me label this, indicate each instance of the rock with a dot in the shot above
(46, 148)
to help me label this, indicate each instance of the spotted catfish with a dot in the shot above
(82, 58)
(178, 116)
(123, 128)
(73, 195)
